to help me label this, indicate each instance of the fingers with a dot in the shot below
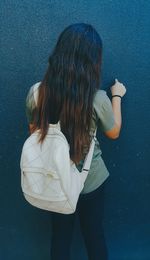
(118, 88)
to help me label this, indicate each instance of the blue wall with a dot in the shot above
(29, 30)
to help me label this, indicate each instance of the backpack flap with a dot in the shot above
(72, 181)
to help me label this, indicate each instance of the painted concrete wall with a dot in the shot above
(28, 32)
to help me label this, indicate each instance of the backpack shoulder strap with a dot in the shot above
(88, 158)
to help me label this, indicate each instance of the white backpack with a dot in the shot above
(49, 179)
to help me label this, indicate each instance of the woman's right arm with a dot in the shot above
(118, 90)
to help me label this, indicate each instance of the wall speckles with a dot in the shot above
(28, 33)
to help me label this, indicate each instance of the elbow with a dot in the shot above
(115, 136)
(114, 133)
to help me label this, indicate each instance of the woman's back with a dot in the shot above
(67, 91)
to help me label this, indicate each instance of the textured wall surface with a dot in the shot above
(28, 32)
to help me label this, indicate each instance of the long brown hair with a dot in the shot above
(67, 90)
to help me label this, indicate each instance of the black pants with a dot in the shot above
(90, 210)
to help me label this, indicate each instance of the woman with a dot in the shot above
(70, 93)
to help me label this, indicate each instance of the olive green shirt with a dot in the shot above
(103, 118)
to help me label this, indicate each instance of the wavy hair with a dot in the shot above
(67, 90)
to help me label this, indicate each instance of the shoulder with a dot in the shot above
(103, 110)
(34, 88)
(100, 97)
(32, 95)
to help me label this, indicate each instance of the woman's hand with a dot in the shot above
(118, 89)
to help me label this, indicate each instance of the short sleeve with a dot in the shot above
(30, 103)
(103, 110)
